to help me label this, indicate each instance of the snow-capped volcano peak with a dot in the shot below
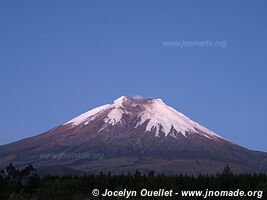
(157, 116)
(134, 133)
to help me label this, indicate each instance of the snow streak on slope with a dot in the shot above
(117, 111)
(113, 117)
(87, 117)
(162, 116)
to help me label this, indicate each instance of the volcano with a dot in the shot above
(130, 134)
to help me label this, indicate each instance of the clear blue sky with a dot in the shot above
(61, 58)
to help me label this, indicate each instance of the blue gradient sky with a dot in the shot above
(59, 59)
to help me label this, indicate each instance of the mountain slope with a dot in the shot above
(129, 134)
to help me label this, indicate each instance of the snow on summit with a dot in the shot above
(158, 116)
